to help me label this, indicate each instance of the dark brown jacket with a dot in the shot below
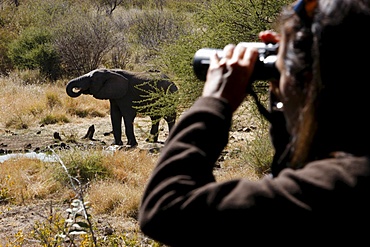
(326, 202)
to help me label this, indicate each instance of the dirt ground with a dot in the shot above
(40, 138)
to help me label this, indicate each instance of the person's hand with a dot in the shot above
(269, 36)
(228, 77)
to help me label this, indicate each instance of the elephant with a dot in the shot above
(126, 92)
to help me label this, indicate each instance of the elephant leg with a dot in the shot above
(116, 120)
(171, 119)
(129, 129)
(154, 131)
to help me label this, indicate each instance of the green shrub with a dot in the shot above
(158, 103)
(83, 165)
(34, 50)
(215, 24)
(5, 61)
(8, 32)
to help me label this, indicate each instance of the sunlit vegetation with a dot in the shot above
(44, 43)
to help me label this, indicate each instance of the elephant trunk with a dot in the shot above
(74, 88)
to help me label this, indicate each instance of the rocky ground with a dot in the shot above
(40, 138)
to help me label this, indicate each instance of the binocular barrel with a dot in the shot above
(264, 68)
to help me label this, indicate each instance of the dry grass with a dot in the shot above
(24, 105)
(114, 191)
(112, 181)
(24, 180)
(129, 173)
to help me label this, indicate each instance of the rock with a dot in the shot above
(57, 136)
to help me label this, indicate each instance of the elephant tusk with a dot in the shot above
(76, 89)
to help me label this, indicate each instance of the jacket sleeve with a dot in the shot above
(183, 205)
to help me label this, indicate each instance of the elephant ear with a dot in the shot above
(115, 87)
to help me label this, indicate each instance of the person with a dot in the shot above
(319, 189)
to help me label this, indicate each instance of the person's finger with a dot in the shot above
(269, 36)
(250, 57)
(239, 52)
(229, 50)
(214, 60)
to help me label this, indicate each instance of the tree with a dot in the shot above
(215, 24)
(82, 40)
(224, 21)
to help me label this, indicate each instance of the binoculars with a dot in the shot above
(264, 68)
